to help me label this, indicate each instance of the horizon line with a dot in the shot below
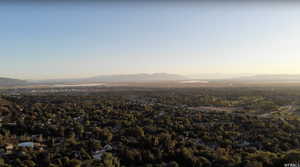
(145, 73)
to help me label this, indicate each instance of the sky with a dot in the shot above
(70, 40)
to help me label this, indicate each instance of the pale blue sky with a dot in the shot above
(86, 39)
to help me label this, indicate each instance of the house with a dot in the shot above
(76, 154)
(87, 135)
(26, 144)
(32, 145)
(107, 147)
(244, 143)
(12, 124)
(78, 119)
(58, 140)
(98, 154)
(116, 128)
(37, 138)
(197, 141)
(9, 147)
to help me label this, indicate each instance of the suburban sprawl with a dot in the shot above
(149, 127)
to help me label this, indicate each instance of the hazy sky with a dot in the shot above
(86, 39)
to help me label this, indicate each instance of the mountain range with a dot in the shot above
(12, 82)
(155, 77)
(269, 78)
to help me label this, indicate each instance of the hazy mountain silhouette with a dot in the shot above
(12, 82)
(270, 78)
(155, 77)
(137, 78)
(121, 78)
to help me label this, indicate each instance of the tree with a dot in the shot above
(253, 164)
(74, 163)
(173, 164)
(110, 161)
